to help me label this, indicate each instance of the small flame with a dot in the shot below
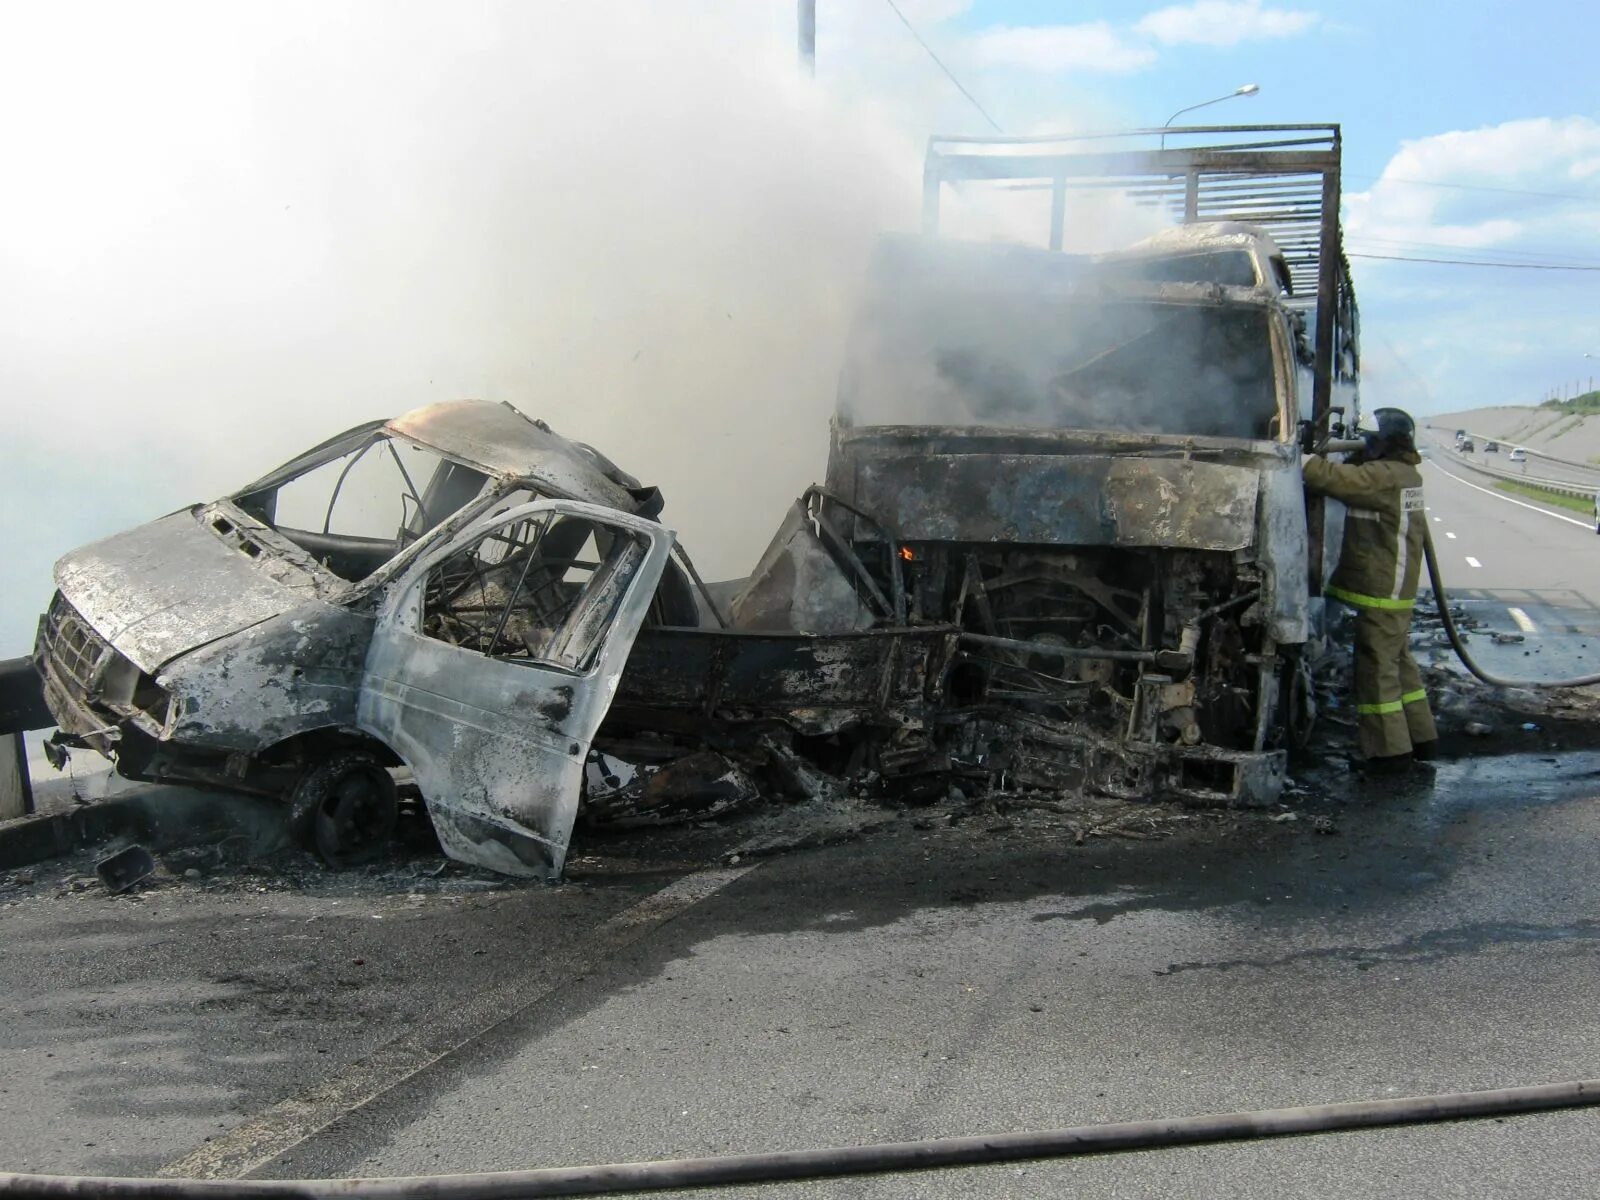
(907, 553)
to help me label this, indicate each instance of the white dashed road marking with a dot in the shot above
(1450, 535)
(1522, 620)
(1472, 562)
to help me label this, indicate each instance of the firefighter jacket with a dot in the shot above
(1382, 553)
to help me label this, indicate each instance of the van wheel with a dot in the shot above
(344, 808)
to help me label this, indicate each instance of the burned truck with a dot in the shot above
(1088, 467)
(1098, 481)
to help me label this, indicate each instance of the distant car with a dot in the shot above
(1466, 446)
(1517, 455)
(1491, 447)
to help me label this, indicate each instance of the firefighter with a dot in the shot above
(1379, 565)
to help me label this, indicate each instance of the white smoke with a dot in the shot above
(230, 231)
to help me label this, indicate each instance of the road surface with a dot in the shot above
(934, 978)
(1520, 567)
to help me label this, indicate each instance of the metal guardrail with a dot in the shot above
(22, 708)
(1564, 487)
(1561, 471)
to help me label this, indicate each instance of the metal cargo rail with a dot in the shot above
(1283, 179)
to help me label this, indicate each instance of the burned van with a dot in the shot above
(455, 591)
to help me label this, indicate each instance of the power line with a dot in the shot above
(1474, 187)
(949, 74)
(1546, 253)
(1470, 262)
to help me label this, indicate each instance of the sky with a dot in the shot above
(229, 230)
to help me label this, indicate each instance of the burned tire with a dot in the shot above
(344, 808)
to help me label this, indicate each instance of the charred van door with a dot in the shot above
(494, 661)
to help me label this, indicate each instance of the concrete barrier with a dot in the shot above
(22, 707)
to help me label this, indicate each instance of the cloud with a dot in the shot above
(1224, 23)
(1091, 47)
(1429, 192)
(1454, 338)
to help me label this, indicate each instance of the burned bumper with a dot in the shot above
(94, 692)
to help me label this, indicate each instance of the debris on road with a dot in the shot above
(120, 871)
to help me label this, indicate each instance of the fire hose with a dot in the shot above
(1442, 602)
(780, 1166)
(1458, 644)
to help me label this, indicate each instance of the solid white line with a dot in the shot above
(1522, 620)
(1507, 499)
(1472, 562)
(1450, 535)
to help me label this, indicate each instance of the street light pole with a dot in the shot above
(808, 37)
(1249, 89)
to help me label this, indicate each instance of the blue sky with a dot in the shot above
(232, 229)
(1485, 95)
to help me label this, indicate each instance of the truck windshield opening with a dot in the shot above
(1144, 366)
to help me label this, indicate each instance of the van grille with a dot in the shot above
(76, 651)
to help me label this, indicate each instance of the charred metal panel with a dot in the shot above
(499, 440)
(798, 587)
(496, 745)
(1077, 500)
(175, 584)
(286, 676)
(1282, 555)
(814, 683)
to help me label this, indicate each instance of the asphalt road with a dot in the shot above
(1520, 567)
(920, 982)
(929, 979)
(949, 983)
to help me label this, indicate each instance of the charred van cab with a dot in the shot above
(454, 591)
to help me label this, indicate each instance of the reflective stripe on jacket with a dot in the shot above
(1382, 553)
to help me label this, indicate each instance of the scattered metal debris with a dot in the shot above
(120, 871)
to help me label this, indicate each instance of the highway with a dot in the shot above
(937, 977)
(1519, 567)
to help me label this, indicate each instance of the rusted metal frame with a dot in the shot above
(1057, 684)
(1218, 183)
(891, 541)
(891, 662)
(972, 583)
(1094, 588)
(1329, 271)
(1279, 204)
(717, 675)
(857, 567)
(338, 484)
(1328, 133)
(422, 509)
(1047, 649)
(688, 566)
(1130, 163)
(511, 601)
